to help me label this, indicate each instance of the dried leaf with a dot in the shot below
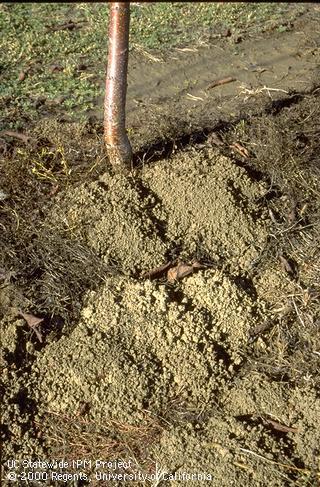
(54, 189)
(156, 271)
(84, 408)
(33, 322)
(3, 273)
(179, 271)
(226, 33)
(286, 266)
(31, 319)
(6, 275)
(262, 327)
(292, 214)
(4, 147)
(197, 265)
(280, 427)
(22, 75)
(59, 99)
(3, 195)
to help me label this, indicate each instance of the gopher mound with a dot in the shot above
(166, 371)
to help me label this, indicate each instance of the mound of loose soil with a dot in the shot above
(138, 341)
(198, 201)
(174, 349)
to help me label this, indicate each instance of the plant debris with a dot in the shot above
(220, 82)
(280, 427)
(157, 271)
(182, 270)
(22, 75)
(66, 26)
(34, 322)
(16, 135)
(240, 149)
(215, 139)
(286, 266)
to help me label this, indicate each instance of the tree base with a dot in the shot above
(120, 156)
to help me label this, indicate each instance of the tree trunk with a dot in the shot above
(115, 136)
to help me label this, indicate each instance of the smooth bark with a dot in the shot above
(115, 136)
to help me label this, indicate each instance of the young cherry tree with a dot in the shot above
(115, 136)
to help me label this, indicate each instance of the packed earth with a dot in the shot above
(163, 324)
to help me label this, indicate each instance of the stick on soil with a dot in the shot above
(16, 135)
(220, 82)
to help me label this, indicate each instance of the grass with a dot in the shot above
(45, 71)
(78, 438)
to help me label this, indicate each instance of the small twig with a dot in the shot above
(147, 54)
(186, 49)
(280, 232)
(66, 26)
(220, 82)
(239, 148)
(279, 426)
(297, 312)
(257, 91)
(288, 467)
(16, 135)
(195, 98)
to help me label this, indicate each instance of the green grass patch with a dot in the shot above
(45, 70)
